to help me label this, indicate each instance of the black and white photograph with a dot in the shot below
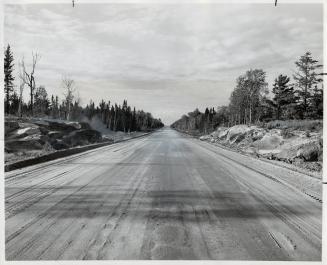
(163, 130)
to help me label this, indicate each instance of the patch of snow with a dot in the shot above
(272, 151)
(32, 137)
(23, 130)
(205, 137)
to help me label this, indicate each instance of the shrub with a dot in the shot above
(302, 125)
(287, 133)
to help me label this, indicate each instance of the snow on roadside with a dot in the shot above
(23, 130)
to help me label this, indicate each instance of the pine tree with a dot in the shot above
(283, 94)
(112, 118)
(41, 101)
(102, 106)
(57, 107)
(134, 120)
(317, 102)
(8, 76)
(14, 99)
(305, 79)
(108, 116)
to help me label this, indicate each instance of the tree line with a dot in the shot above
(252, 101)
(114, 116)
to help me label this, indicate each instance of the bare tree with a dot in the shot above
(28, 77)
(69, 86)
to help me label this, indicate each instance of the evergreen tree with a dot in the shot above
(283, 95)
(102, 107)
(134, 128)
(305, 79)
(8, 76)
(14, 105)
(112, 118)
(108, 116)
(41, 102)
(317, 103)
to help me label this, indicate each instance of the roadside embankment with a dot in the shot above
(277, 142)
(32, 141)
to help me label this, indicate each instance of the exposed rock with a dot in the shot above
(287, 145)
(220, 133)
(59, 145)
(21, 145)
(257, 133)
(268, 142)
(32, 131)
(205, 137)
(237, 133)
(57, 126)
(36, 134)
(82, 137)
(11, 126)
(309, 152)
(85, 126)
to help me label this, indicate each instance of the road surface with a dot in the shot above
(164, 196)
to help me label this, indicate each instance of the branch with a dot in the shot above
(36, 58)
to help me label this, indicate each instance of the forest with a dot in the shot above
(116, 117)
(253, 102)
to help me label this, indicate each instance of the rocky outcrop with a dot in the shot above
(10, 126)
(24, 135)
(291, 146)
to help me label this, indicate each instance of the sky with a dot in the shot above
(165, 59)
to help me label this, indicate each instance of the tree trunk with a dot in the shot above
(20, 106)
(31, 95)
(68, 112)
(115, 122)
(7, 100)
(250, 118)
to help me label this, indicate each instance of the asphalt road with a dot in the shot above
(164, 196)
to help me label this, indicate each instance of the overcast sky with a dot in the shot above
(165, 59)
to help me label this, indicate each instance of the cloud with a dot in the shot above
(189, 55)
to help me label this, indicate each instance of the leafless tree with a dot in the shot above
(69, 86)
(28, 77)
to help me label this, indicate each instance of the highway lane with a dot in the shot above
(164, 196)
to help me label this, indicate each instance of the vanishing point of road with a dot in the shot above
(163, 196)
